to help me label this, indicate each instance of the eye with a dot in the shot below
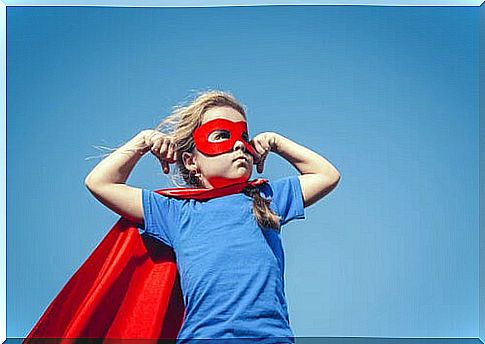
(219, 135)
(245, 137)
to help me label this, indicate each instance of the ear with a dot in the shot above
(189, 160)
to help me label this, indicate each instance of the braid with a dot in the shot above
(263, 213)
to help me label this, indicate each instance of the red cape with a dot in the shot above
(128, 288)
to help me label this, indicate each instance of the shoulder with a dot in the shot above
(155, 199)
(286, 197)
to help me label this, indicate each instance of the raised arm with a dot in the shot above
(318, 176)
(107, 180)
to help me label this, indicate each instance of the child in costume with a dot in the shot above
(227, 247)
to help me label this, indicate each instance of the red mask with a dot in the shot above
(232, 131)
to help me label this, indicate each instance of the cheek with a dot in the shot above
(217, 163)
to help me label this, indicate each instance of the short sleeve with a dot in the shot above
(286, 198)
(160, 216)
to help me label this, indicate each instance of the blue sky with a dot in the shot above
(388, 94)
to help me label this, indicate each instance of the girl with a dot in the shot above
(228, 249)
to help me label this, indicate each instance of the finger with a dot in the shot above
(266, 147)
(165, 166)
(262, 158)
(170, 151)
(175, 156)
(164, 148)
(256, 155)
(156, 146)
(259, 149)
(260, 166)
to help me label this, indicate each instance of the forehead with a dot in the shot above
(225, 112)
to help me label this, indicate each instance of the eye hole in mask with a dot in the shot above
(222, 135)
(219, 135)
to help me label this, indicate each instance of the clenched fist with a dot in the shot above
(263, 144)
(162, 146)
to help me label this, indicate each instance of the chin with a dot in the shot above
(241, 175)
(246, 173)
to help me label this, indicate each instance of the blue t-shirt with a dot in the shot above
(231, 271)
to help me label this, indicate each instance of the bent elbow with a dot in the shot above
(90, 183)
(337, 178)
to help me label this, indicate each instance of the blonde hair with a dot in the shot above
(180, 125)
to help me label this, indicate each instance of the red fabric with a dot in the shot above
(235, 129)
(128, 288)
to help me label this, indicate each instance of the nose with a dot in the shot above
(239, 145)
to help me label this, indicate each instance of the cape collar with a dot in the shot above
(202, 194)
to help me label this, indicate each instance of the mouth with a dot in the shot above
(241, 158)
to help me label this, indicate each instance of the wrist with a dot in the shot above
(138, 143)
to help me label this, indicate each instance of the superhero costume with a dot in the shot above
(132, 279)
(128, 277)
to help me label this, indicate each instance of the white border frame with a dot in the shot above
(132, 3)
